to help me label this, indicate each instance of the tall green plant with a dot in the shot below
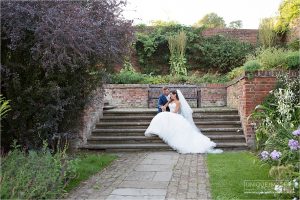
(267, 35)
(177, 46)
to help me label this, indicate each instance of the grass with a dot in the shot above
(88, 165)
(228, 171)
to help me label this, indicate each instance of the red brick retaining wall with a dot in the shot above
(138, 96)
(249, 91)
(127, 95)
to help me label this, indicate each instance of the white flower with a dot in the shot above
(278, 188)
(295, 183)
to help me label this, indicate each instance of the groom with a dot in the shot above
(163, 99)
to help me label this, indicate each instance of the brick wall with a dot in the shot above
(213, 95)
(246, 35)
(145, 96)
(246, 93)
(127, 95)
(93, 110)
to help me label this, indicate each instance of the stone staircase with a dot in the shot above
(123, 129)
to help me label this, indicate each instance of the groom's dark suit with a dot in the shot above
(162, 100)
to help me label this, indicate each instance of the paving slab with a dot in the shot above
(149, 175)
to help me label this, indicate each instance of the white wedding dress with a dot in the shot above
(179, 131)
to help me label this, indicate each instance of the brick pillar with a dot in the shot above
(248, 91)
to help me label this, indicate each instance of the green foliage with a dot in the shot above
(272, 58)
(222, 53)
(218, 52)
(294, 45)
(127, 75)
(267, 35)
(4, 107)
(52, 58)
(289, 12)
(211, 20)
(277, 58)
(135, 78)
(236, 72)
(292, 60)
(251, 65)
(36, 175)
(152, 46)
(177, 46)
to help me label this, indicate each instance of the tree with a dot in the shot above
(236, 24)
(211, 20)
(289, 14)
(52, 57)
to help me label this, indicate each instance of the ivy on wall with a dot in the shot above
(220, 53)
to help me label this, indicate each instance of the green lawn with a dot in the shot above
(228, 171)
(88, 165)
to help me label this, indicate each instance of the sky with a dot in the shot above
(190, 11)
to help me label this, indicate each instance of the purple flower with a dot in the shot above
(293, 144)
(296, 132)
(264, 155)
(275, 155)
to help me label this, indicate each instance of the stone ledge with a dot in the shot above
(263, 74)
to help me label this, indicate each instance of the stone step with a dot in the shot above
(154, 139)
(197, 111)
(155, 146)
(123, 140)
(140, 132)
(149, 118)
(123, 130)
(143, 130)
(203, 124)
(108, 107)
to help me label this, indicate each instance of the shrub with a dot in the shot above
(52, 57)
(293, 60)
(127, 77)
(294, 45)
(275, 58)
(271, 58)
(36, 175)
(134, 77)
(236, 72)
(222, 53)
(251, 65)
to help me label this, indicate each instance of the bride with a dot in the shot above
(178, 130)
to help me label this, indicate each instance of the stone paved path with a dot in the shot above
(149, 175)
